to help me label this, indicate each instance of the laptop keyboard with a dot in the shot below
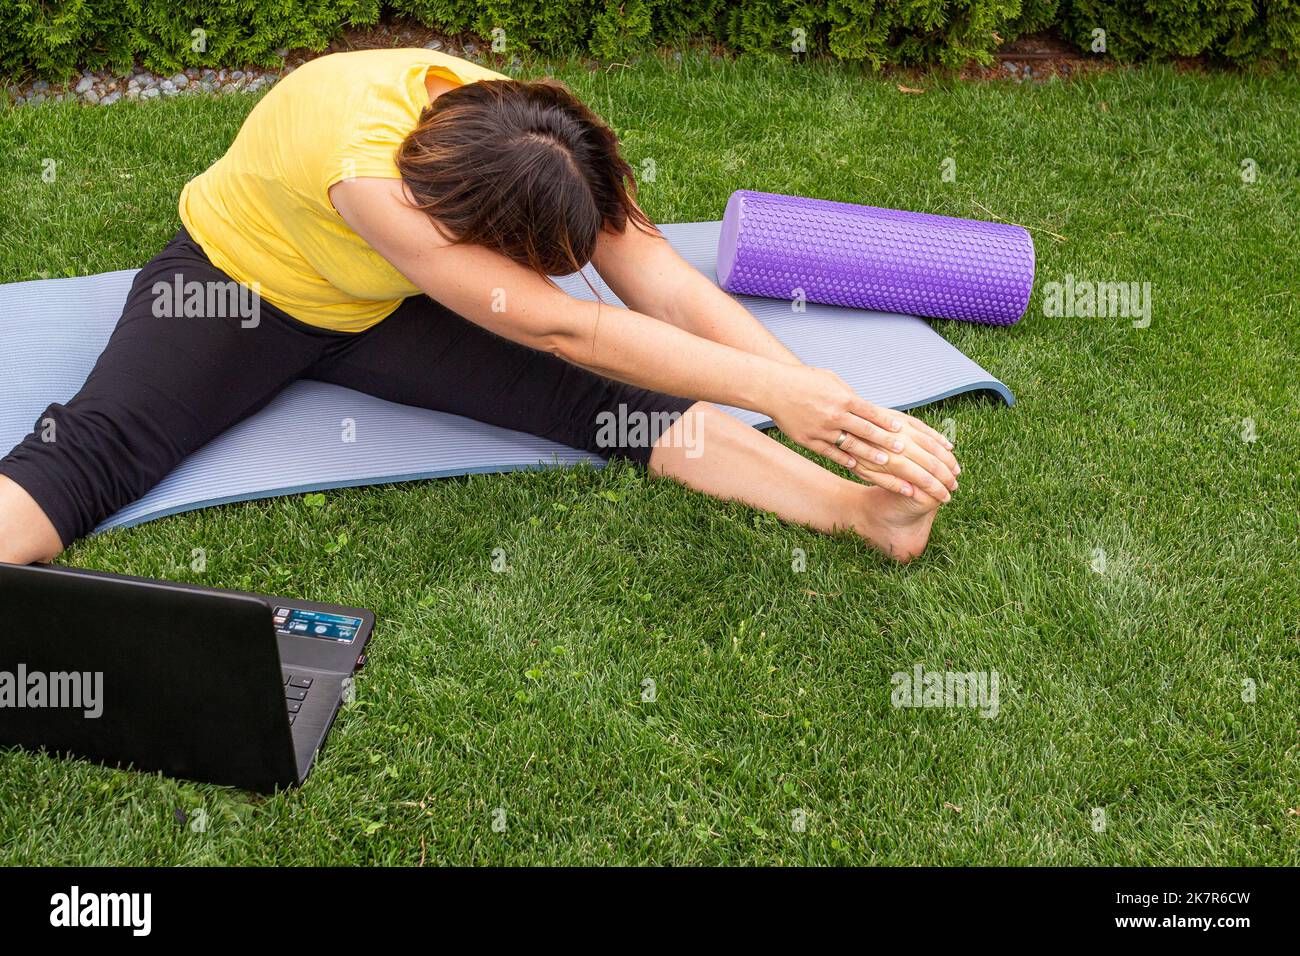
(296, 687)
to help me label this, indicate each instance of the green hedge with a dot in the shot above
(1237, 30)
(54, 38)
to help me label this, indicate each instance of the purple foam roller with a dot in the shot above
(886, 260)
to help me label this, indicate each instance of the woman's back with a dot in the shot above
(262, 212)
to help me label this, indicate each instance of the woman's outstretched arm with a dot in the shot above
(648, 275)
(812, 406)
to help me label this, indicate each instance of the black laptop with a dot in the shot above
(217, 686)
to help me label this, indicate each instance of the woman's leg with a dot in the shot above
(715, 453)
(171, 378)
(427, 356)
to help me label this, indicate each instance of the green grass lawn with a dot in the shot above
(1123, 690)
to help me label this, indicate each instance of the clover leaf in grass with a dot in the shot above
(314, 500)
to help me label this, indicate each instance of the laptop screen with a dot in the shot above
(296, 622)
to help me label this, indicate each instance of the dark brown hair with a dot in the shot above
(524, 168)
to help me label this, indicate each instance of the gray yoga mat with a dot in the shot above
(52, 330)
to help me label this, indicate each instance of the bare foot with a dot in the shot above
(895, 525)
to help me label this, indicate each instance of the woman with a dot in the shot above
(397, 213)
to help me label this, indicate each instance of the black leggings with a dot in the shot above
(164, 387)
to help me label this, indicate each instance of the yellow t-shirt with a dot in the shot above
(262, 211)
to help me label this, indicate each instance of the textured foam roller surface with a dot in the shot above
(52, 330)
(869, 258)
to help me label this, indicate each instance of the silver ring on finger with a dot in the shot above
(839, 442)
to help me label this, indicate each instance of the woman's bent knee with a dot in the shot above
(26, 532)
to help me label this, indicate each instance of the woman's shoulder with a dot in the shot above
(342, 115)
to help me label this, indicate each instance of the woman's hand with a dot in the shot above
(890, 449)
